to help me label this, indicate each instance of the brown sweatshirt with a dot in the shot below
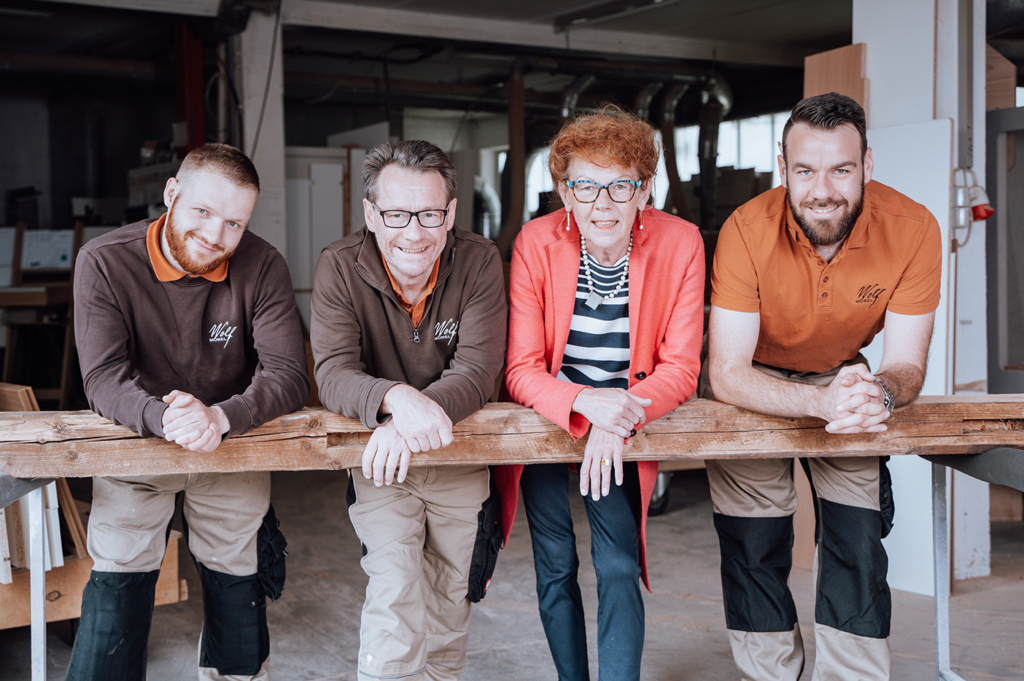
(364, 342)
(236, 344)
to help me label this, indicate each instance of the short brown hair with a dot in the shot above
(223, 159)
(413, 154)
(608, 136)
(828, 112)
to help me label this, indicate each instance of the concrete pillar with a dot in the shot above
(923, 37)
(259, 52)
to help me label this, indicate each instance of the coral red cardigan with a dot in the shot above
(666, 320)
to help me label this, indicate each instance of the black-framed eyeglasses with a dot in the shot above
(587, 191)
(398, 219)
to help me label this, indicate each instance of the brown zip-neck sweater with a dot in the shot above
(236, 344)
(364, 341)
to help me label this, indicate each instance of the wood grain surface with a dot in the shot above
(83, 444)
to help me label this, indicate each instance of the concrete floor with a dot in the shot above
(314, 627)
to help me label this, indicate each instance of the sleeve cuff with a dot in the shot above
(238, 416)
(371, 415)
(153, 417)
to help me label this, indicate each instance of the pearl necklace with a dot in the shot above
(593, 300)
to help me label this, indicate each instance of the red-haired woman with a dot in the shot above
(605, 330)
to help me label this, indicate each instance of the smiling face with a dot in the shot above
(605, 225)
(206, 217)
(410, 252)
(824, 177)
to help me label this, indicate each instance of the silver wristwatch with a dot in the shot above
(889, 401)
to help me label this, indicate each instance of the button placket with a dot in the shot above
(825, 287)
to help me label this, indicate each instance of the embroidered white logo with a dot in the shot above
(446, 331)
(222, 333)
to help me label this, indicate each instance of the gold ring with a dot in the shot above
(606, 462)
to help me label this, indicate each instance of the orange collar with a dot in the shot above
(164, 270)
(415, 310)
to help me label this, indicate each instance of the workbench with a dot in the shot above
(978, 435)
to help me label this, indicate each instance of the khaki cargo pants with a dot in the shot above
(754, 502)
(418, 539)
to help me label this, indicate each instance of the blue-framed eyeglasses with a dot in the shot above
(587, 191)
(398, 219)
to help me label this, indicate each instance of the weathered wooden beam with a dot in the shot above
(82, 444)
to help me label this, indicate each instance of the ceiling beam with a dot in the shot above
(194, 8)
(339, 15)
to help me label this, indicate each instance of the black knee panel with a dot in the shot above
(117, 611)
(853, 595)
(235, 636)
(757, 555)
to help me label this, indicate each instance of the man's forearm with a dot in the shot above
(904, 382)
(745, 386)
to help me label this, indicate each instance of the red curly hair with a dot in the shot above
(610, 136)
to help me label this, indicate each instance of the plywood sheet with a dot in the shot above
(840, 70)
(1000, 81)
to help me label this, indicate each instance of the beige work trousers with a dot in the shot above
(418, 539)
(129, 518)
(760, 488)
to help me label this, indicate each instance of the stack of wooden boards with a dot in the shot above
(14, 531)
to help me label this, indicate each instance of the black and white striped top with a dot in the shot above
(597, 353)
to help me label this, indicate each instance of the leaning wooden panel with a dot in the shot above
(78, 444)
(64, 589)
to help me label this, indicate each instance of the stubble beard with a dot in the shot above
(832, 231)
(177, 244)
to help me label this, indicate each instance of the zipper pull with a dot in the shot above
(415, 336)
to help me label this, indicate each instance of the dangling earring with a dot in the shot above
(641, 217)
(568, 216)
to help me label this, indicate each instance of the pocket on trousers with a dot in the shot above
(486, 546)
(270, 548)
(885, 500)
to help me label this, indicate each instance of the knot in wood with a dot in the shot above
(71, 455)
(313, 423)
(59, 427)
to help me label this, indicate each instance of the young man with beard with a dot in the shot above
(187, 330)
(408, 332)
(804, 277)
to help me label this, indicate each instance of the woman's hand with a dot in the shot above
(611, 409)
(601, 456)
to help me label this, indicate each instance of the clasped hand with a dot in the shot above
(613, 413)
(853, 402)
(418, 424)
(191, 424)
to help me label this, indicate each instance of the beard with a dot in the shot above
(178, 246)
(827, 232)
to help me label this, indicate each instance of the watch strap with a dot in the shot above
(887, 399)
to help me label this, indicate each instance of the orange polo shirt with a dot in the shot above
(815, 315)
(414, 310)
(164, 270)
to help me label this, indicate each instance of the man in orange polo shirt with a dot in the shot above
(408, 332)
(804, 277)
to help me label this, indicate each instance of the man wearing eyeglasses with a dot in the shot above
(408, 333)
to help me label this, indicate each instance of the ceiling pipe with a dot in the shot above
(76, 66)
(676, 195)
(707, 149)
(494, 96)
(642, 104)
(571, 94)
(605, 12)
